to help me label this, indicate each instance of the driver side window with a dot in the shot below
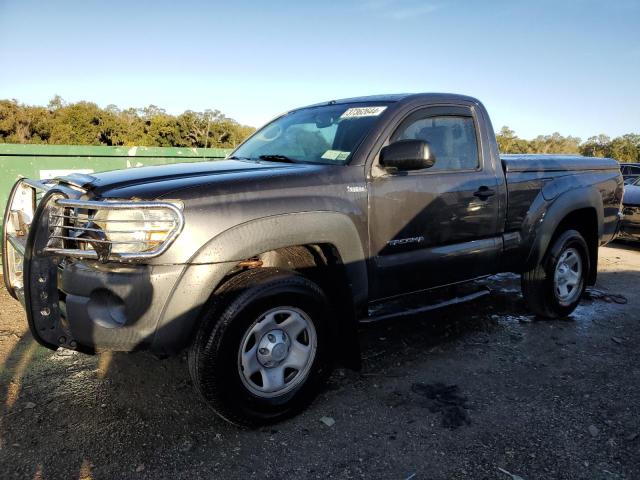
(452, 139)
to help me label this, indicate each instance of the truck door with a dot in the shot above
(437, 225)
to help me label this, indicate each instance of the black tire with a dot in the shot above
(538, 285)
(214, 354)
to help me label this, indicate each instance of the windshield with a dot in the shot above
(326, 134)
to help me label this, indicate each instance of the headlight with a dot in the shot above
(134, 231)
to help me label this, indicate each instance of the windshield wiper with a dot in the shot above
(277, 158)
(234, 157)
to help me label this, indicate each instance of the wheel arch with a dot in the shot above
(579, 209)
(329, 238)
(335, 232)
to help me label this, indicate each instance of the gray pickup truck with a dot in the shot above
(263, 264)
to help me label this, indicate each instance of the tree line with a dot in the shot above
(84, 123)
(625, 148)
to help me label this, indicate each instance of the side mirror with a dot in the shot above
(408, 155)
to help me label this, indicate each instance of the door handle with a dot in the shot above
(484, 192)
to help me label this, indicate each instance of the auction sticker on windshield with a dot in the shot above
(363, 112)
(335, 155)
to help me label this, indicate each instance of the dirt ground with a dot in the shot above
(480, 390)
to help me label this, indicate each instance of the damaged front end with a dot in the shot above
(50, 226)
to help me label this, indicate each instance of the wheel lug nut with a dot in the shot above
(263, 351)
(271, 338)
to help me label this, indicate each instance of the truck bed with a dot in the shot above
(527, 175)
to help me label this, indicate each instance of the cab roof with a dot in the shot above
(397, 97)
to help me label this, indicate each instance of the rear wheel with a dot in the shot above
(554, 287)
(261, 354)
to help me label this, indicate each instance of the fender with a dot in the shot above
(543, 221)
(217, 257)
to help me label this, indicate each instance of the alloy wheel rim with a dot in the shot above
(277, 351)
(567, 278)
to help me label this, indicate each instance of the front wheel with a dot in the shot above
(554, 287)
(261, 353)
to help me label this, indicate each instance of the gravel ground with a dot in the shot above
(481, 390)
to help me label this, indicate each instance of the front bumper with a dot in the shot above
(112, 308)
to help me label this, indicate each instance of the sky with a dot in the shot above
(539, 66)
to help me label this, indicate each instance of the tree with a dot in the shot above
(194, 128)
(161, 130)
(626, 148)
(554, 143)
(78, 124)
(508, 142)
(23, 125)
(597, 146)
(56, 103)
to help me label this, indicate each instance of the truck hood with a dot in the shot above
(145, 182)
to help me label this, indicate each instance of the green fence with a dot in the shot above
(48, 161)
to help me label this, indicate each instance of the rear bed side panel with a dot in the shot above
(541, 197)
(524, 191)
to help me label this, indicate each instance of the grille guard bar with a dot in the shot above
(119, 205)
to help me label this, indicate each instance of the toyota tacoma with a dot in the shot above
(263, 264)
